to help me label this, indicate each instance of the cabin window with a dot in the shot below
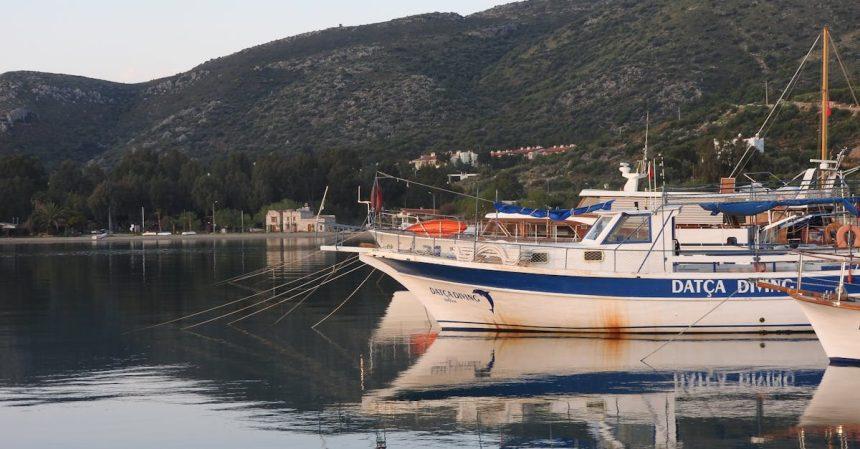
(597, 228)
(631, 229)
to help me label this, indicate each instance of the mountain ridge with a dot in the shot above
(523, 73)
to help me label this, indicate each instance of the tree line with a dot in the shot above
(169, 191)
(174, 192)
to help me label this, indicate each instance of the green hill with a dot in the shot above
(537, 72)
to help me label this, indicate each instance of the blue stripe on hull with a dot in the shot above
(451, 325)
(841, 361)
(602, 286)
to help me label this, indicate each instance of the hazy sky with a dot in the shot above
(127, 41)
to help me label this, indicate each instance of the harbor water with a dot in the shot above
(78, 369)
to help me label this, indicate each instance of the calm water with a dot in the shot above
(71, 375)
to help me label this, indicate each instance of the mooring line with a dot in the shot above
(321, 270)
(184, 317)
(688, 327)
(261, 302)
(266, 269)
(301, 301)
(345, 300)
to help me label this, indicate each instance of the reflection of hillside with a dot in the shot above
(597, 388)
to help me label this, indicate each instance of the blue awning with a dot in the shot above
(757, 207)
(552, 214)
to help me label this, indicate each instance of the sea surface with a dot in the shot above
(81, 368)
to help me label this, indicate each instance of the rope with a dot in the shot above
(844, 72)
(386, 175)
(303, 299)
(266, 269)
(372, 270)
(261, 302)
(184, 317)
(776, 105)
(350, 259)
(688, 327)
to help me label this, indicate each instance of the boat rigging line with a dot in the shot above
(270, 268)
(372, 270)
(788, 88)
(274, 297)
(676, 336)
(288, 312)
(338, 265)
(384, 175)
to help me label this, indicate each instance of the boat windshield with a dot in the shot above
(597, 228)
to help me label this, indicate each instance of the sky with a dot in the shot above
(134, 41)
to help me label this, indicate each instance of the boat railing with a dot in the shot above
(617, 258)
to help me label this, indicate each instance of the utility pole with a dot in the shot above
(766, 102)
(242, 229)
(213, 216)
(142, 221)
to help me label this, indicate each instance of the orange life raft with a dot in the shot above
(438, 228)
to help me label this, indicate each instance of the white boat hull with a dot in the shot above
(476, 306)
(837, 328)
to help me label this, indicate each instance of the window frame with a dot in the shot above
(627, 240)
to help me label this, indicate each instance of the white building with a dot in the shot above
(426, 160)
(298, 220)
(464, 157)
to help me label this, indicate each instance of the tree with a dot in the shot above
(47, 215)
(21, 177)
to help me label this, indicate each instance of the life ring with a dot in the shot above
(830, 233)
(842, 236)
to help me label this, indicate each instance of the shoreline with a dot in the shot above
(126, 238)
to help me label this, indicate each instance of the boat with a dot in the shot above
(440, 227)
(625, 276)
(630, 273)
(834, 313)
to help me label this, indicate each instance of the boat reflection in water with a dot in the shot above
(834, 411)
(694, 392)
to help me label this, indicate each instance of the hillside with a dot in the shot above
(538, 72)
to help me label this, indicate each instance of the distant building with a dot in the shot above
(464, 157)
(298, 220)
(752, 142)
(460, 176)
(427, 160)
(439, 160)
(532, 152)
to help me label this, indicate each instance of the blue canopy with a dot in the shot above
(553, 214)
(757, 207)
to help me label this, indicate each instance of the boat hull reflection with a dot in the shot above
(494, 380)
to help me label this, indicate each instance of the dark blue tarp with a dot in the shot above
(553, 214)
(757, 207)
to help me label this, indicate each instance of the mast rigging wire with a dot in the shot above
(744, 159)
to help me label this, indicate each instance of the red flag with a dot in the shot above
(828, 111)
(650, 171)
(376, 197)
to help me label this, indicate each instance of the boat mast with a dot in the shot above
(825, 100)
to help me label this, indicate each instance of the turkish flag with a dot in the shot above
(376, 197)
